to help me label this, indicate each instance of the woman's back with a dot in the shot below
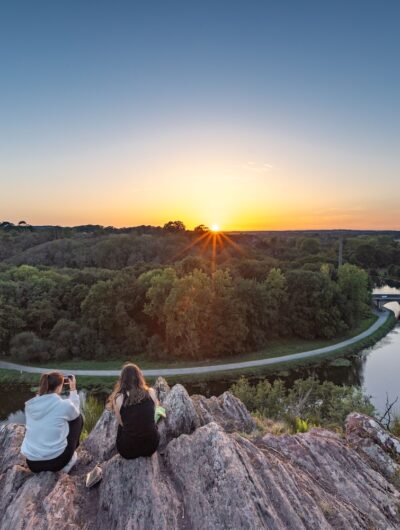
(134, 405)
(138, 434)
(47, 418)
(138, 419)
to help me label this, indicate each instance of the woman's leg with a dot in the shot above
(75, 429)
(141, 446)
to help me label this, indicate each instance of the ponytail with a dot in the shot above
(49, 382)
(44, 384)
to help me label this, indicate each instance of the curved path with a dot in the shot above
(193, 370)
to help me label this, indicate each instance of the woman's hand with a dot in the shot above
(72, 383)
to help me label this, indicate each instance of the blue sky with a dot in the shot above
(246, 114)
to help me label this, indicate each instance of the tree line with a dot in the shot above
(172, 311)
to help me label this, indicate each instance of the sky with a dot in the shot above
(246, 114)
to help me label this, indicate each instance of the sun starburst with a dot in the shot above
(211, 242)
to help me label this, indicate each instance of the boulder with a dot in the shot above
(381, 448)
(356, 493)
(181, 416)
(11, 437)
(162, 389)
(137, 495)
(226, 410)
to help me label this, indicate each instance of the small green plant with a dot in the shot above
(301, 425)
(295, 424)
(92, 410)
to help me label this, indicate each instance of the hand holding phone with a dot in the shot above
(72, 382)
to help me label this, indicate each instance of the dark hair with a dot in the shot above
(49, 382)
(131, 384)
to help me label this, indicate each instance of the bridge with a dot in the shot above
(379, 300)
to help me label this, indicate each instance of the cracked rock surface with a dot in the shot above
(208, 476)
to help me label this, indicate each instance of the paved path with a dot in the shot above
(193, 370)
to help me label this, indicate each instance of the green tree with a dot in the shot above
(310, 245)
(159, 285)
(253, 298)
(199, 314)
(201, 229)
(40, 314)
(365, 256)
(174, 226)
(313, 305)
(275, 300)
(27, 346)
(11, 323)
(64, 339)
(105, 310)
(254, 269)
(355, 293)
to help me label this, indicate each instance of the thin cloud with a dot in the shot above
(254, 167)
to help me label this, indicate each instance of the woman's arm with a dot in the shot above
(117, 404)
(72, 404)
(153, 396)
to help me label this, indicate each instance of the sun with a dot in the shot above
(214, 228)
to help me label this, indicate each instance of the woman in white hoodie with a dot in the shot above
(53, 425)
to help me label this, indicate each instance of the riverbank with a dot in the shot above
(274, 362)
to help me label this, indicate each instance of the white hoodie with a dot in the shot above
(47, 418)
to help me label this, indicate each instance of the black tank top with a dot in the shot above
(138, 419)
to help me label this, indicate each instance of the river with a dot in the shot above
(376, 369)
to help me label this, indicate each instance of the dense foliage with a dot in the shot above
(92, 292)
(308, 402)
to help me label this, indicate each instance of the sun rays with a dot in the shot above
(211, 242)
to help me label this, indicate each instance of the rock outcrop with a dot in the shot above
(375, 443)
(209, 475)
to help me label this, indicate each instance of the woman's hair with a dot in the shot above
(131, 384)
(49, 382)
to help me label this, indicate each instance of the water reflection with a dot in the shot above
(12, 404)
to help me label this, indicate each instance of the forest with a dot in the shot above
(98, 293)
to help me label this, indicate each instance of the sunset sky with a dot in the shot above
(247, 114)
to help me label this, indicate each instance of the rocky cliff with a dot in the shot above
(210, 475)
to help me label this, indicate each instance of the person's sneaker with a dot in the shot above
(71, 463)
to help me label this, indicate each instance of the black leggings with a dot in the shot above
(56, 464)
(137, 446)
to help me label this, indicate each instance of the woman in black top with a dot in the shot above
(134, 404)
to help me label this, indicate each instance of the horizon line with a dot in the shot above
(191, 230)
